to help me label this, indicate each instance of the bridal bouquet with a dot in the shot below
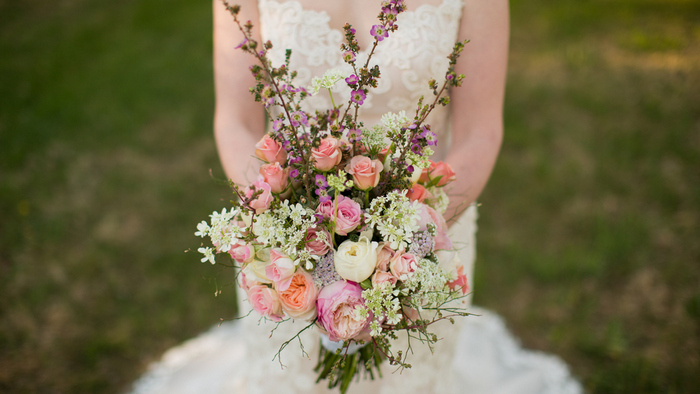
(344, 227)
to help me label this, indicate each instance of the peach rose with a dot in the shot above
(461, 281)
(275, 176)
(266, 302)
(280, 271)
(335, 308)
(440, 170)
(418, 193)
(327, 155)
(402, 265)
(271, 151)
(262, 202)
(299, 300)
(365, 171)
(444, 171)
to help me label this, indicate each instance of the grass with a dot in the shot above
(588, 228)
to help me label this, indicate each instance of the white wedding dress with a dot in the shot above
(475, 355)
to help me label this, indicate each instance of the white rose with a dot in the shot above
(255, 270)
(356, 261)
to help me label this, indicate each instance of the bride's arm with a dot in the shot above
(239, 121)
(477, 106)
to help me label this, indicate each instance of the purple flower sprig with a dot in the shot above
(279, 81)
(364, 76)
(420, 136)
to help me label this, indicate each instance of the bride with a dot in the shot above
(477, 354)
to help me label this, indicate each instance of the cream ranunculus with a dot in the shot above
(356, 261)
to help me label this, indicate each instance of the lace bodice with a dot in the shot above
(408, 58)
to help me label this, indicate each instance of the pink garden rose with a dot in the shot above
(335, 308)
(380, 277)
(242, 252)
(327, 155)
(271, 151)
(266, 302)
(246, 283)
(262, 202)
(313, 245)
(418, 193)
(384, 255)
(365, 171)
(349, 214)
(299, 300)
(402, 265)
(275, 176)
(461, 281)
(280, 271)
(429, 215)
(436, 170)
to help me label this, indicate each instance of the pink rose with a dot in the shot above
(326, 209)
(418, 193)
(335, 308)
(461, 281)
(275, 176)
(384, 255)
(314, 245)
(262, 202)
(299, 300)
(365, 171)
(270, 151)
(347, 217)
(266, 302)
(280, 271)
(442, 241)
(438, 170)
(380, 277)
(402, 265)
(410, 313)
(242, 252)
(429, 215)
(246, 283)
(327, 155)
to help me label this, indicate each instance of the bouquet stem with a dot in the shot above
(340, 368)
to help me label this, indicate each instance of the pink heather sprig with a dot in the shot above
(420, 135)
(364, 76)
(278, 81)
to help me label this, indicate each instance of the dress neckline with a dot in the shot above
(327, 17)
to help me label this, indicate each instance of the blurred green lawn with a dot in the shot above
(589, 240)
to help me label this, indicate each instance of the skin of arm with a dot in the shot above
(239, 122)
(477, 106)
